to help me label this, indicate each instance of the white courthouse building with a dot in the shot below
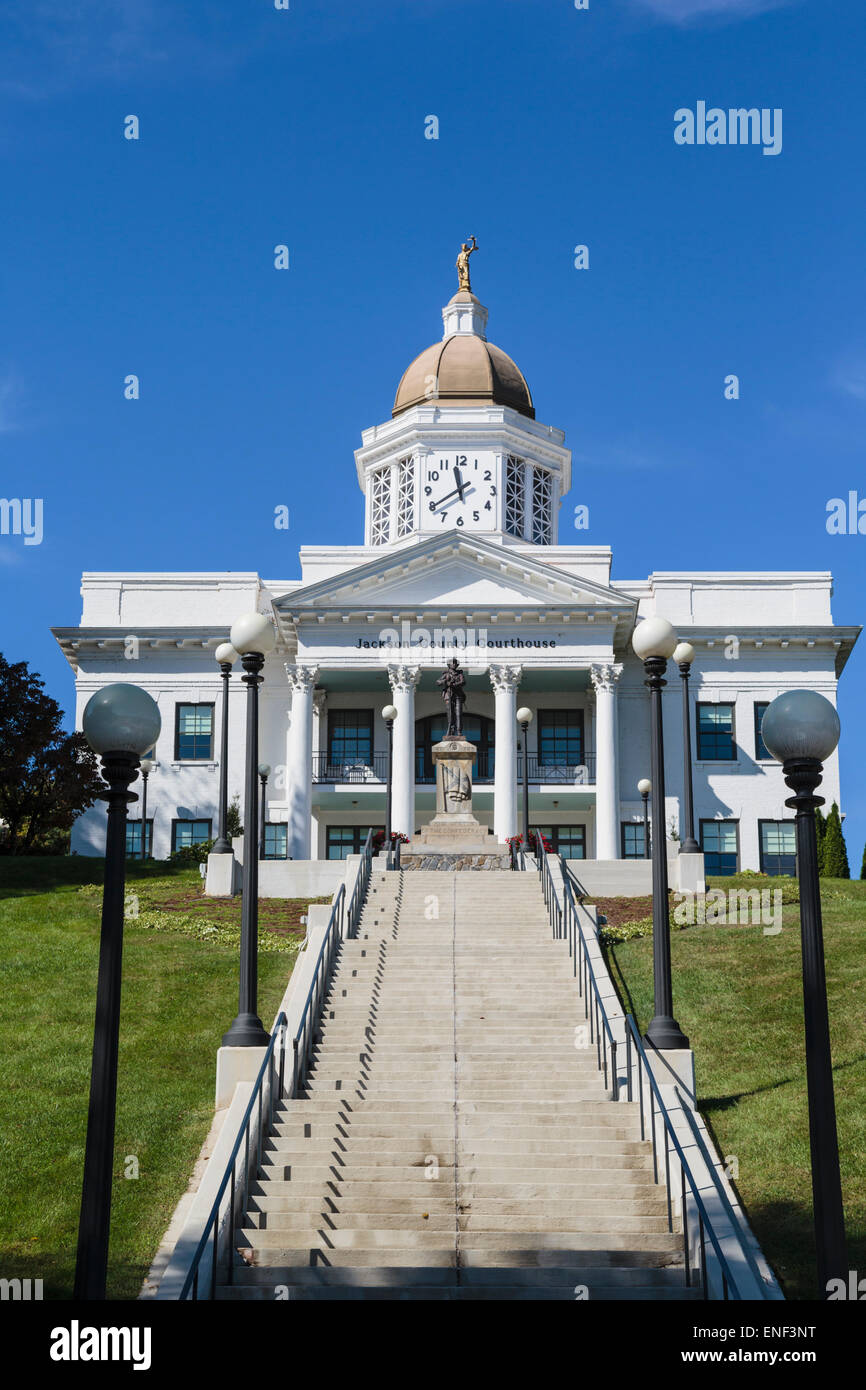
(462, 555)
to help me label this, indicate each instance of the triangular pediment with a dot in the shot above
(454, 573)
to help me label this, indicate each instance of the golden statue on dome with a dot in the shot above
(463, 265)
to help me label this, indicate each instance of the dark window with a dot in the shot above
(721, 846)
(567, 840)
(343, 840)
(133, 839)
(632, 839)
(478, 729)
(193, 739)
(560, 737)
(276, 840)
(716, 733)
(760, 751)
(778, 847)
(350, 736)
(189, 832)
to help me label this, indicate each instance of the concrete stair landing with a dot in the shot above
(451, 1142)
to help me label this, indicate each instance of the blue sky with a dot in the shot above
(306, 127)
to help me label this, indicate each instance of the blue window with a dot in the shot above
(632, 839)
(716, 733)
(343, 840)
(193, 741)
(567, 840)
(778, 847)
(133, 839)
(350, 736)
(720, 842)
(189, 832)
(560, 737)
(276, 841)
(761, 753)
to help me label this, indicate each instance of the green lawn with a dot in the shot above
(738, 995)
(179, 996)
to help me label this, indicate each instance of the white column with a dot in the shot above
(604, 678)
(299, 759)
(505, 680)
(403, 682)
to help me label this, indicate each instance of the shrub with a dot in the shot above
(233, 818)
(192, 854)
(835, 856)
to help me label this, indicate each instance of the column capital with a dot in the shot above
(403, 679)
(320, 698)
(302, 677)
(505, 679)
(605, 674)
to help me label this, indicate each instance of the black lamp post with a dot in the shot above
(801, 730)
(389, 714)
(654, 640)
(120, 723)
(226, 656)
(645, 786)
(684, 655)
(264, 773)
(524, 719)
(146, 764)
(252, 638)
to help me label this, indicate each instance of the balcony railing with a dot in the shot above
(354, 771)
(482, 768)
(374, 768)
(569, 773)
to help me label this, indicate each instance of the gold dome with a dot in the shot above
(466, 370)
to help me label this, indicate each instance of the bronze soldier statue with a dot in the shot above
(454, 695)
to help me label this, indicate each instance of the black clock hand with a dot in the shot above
(461, 486)
(453, 493)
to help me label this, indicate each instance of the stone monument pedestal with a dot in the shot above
(454, 832)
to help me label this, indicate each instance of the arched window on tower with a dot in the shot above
(515, 495)
(405, 496)
(542, 504)
(380, 506)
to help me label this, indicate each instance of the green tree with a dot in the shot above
(820, 832)
(835, 853)
(863, 865)
(47, 776)
(233, 818)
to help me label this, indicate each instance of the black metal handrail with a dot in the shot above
(600, 1030)
(565, 921)
(229, 1178)
(302, 1044)
(518, 855)
(705, 1227)
(359, 892)
(392, 859)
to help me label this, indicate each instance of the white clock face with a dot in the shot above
(459, 490)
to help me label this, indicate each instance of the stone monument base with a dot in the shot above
(454, 839)
(421, 857)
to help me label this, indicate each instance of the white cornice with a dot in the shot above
(488, 426)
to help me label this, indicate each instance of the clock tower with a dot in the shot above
(463, 451)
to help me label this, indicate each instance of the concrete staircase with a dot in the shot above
(451, 1141)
